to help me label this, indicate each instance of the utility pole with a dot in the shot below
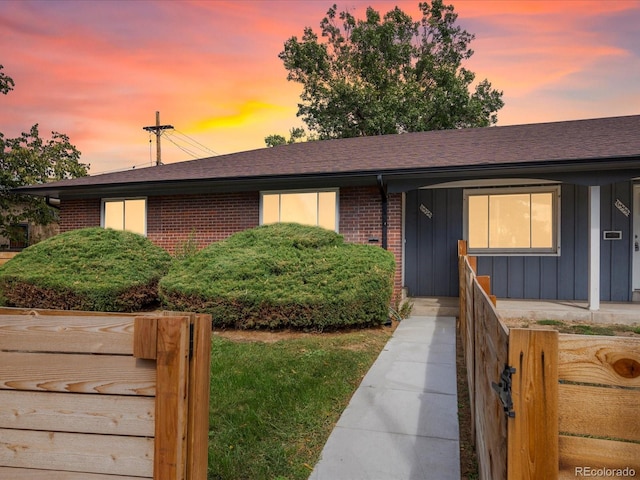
(157, 129)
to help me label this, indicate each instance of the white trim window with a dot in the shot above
(125, 214)
(308, 207)
(523, 220)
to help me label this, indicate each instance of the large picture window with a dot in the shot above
(125, 214)
(307, 207)
(516, 220)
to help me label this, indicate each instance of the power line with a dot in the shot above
(172, 135)
(192, 141)
(121, 169)
(157, 129)
(184, 149)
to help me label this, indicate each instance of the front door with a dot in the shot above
(433, 226)
(636, 238)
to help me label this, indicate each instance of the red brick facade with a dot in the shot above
(173, 219)
(75, 214)
(361, 221)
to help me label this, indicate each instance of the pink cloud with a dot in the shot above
(98, 71)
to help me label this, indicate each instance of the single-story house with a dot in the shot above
(552, 210)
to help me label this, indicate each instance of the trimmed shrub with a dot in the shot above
(88, 269)
(284, 276)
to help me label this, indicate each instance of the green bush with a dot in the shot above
(89, 269)
(284, 276)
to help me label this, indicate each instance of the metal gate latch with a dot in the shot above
(503, 389)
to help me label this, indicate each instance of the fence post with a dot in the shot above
(171, 398)
(198, 421)
(532, 435)
(485, 283)
(462, 290)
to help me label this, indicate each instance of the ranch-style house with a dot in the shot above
(551, 210)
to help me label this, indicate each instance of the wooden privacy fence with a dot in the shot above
(546, 405)
(104, 397)
(6, 256)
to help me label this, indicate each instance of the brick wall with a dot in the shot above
(173, 219)
(361, 221)
(75, 214)
(208, 218)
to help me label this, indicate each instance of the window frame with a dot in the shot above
(554, 189)
(16, 247)
(306, 190)
(104, 201)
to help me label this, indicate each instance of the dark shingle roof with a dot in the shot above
(543, 143)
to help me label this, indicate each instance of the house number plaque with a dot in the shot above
(426, 211)
(622, 207)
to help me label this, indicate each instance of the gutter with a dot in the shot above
(53, 203)
(384, 210)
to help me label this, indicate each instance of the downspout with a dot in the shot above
(384, 211)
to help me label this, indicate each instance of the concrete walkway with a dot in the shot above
(402, 422)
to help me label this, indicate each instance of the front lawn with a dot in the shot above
(273, 405)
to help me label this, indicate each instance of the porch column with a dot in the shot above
(594, 247)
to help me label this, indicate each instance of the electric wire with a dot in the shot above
(184, 149)
(121, 169)
(192, 141)
(174, 136)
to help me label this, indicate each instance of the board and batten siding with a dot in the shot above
(430, 249)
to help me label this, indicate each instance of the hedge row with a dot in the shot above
(89, 269)
(284, 275)
(274, 276)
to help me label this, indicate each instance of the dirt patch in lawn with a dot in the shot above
(272, 336)
(581, 328)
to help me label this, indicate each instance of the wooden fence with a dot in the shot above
(546, 405)
(6, 256)
(104, 397)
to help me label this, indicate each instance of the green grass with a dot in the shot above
(591, 330)
(550, 322)
(273, 405)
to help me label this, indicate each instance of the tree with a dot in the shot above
(388, 75)
(295, 134)
(6, 83)
(26, 160)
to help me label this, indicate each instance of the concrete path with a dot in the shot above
(402, 422)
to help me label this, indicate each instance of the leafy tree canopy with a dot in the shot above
(388, 74)
(296, 134)
(29, 159)
(6, 83)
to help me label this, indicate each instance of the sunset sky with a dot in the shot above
(99, 70)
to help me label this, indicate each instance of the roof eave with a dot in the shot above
(588, 172)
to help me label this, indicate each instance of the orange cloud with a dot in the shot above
(252, 111)
(98, 71)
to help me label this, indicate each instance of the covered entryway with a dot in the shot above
(591, 254)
